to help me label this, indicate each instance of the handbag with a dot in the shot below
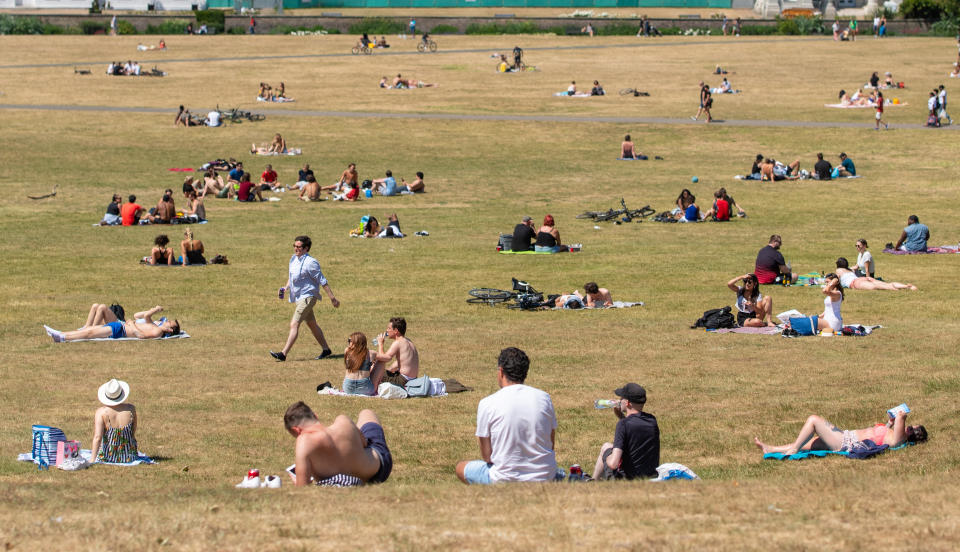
(806, 325)
(419, 387)
(44, 449)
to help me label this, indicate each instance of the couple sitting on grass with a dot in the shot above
(547, 237)
(366, 369)
(191, 251)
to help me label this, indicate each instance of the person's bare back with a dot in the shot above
(407, 358)
(340, 448)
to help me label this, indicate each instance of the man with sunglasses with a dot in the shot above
(303, 288)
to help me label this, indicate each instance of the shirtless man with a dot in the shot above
(406, 359)
(343, 453)
(311, 190)
(772, 171)
(101, 322)
(416, 186)
(165, 210)
(597, 296)
(349, 177)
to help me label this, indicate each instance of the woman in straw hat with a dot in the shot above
(115, 424)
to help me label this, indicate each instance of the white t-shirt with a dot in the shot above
(519, 419)
(213, 118)
(863, 259)
(742, 303)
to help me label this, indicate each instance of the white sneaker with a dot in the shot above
(271, 482)
(57, 336)
(249, 483)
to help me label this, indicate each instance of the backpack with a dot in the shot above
(716, 318)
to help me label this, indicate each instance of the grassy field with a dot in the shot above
(211, 406)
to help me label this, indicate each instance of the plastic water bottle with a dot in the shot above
(605, 403)
(375, 342)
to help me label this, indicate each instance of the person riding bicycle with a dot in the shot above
(364, 41)
(425, 38)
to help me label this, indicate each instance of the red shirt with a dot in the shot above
(269, 176)
(879, 105)
(127, 211)
(722, 209)
(243, 193)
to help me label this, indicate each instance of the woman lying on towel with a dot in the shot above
(819, 434)
(103, 323)
(753, 309)
(849, 279)
(114, 424)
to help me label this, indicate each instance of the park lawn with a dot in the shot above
(211, 406)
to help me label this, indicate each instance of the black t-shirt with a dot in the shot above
(522, 235)
(755, 169)
(113, 209)
(823, 168)
(874, 81)
(638, 437)
(769, 261)
(303, 174)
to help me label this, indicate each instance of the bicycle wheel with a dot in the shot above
(609, 215)
(367, 50)
(420, 47)
(355, 50)
(253, 117)
(433, 46)
(588, 215)
(627, 91)
(489, 294)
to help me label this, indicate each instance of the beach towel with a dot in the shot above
(886, 103)
(437, 389)
(276, 100)
(181, 169)
(804, 454)
(290, 151)
(809, 279)
(577, 95)
(616, 305)
(86, 454)
(943, 249)
(510, 252)
(673, 470)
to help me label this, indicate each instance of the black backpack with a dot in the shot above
(716, 318)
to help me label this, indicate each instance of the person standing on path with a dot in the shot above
(303, 286)
(879, 116)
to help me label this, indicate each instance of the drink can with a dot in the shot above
(254, 472)
(576, 473)
(280, 293)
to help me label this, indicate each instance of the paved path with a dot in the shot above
(413, 52)
(867, 124)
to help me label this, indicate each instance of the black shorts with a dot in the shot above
(744, 316)
(378, 442)
(607, 473)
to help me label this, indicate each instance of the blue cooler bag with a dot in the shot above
(44, 448)
(806, 325)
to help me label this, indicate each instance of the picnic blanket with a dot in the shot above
(290, 151)
(809, 279)
(438, 388)
(804, 454)
(930, 250)
(276, 100)
(577, 95)
(505, 252)
(886, 103)
(616, 305)
(86, 454)
(181, 335)
(181, 169)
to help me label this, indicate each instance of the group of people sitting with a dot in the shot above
(370, 228)
(185, 118)
(724, 88)
(859, 98)
(373, 42)
(121, 69)
(132, 213)
(722, 210)
(888, 82)
(191, 251)
(545, 239)
(595, 90)
(770, 170)
(399, 82)
(269, 94)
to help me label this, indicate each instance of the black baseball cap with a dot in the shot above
(633, 393)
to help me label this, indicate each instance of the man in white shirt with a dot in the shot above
(942, 97)
(516, 429)
(303, 288)
(213, 119)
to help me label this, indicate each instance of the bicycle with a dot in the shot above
(428, 44)
(237, 115)
(364, 49)
(625, 214)
(523, 295)
(632, 92)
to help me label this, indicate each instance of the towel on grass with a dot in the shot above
(804, 454)
(765, 330)
(616, 305)
(943, 249)
(290, 151)
(505, 252)
(181, 335)
(886, 103)
(277, 100)
(437, 389)
(181, 169)
(568, 95)
(86, 454)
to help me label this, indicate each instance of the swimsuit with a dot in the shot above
(847, 278)
(378, 442)
(118, 330)
(879, 432)
(118, 444)
(850, 443)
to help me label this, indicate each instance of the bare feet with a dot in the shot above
(760, 445)
(912, 287)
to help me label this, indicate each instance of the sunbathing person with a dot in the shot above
(398, 82)
(414, 187)
(281, 94)
(597, 297)
(383, 82)
(195, 211)
(865, 265)
(358, 361)
(683, 201)
(114, 425)
(349, 177)
(103, 323)
(310, 190)
(819, 434)
(629, 151)
(831, 319)
(349, 453)
(165, 210)
(212, 183)
(773, 171)
(161, 254)
(597, 90)
(849, 279)
(415, 83)
(191, 250)
(372, 228)
(265, 91)
(753, 309)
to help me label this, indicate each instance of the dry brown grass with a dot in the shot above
(213, 404)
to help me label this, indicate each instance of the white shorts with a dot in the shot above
(879, 115)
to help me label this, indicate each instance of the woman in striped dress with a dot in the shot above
(115, 424)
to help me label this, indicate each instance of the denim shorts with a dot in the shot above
(361, 386)
(477, 472)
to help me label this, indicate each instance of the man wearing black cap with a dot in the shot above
(635, 451)
(523, 235)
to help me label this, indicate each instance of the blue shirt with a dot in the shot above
(848, 166)
(236, 174)
(917, 235)
(389, 186)
(692, 213)
(306, 279)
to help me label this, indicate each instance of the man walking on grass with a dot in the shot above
(303, 288)
(516, 429)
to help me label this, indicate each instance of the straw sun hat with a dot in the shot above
(113, 392)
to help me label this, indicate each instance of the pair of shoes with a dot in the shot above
(279, 356)
(270, 482)
(324, 354)
(249, 483)
(323, 386)
(421, 233)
